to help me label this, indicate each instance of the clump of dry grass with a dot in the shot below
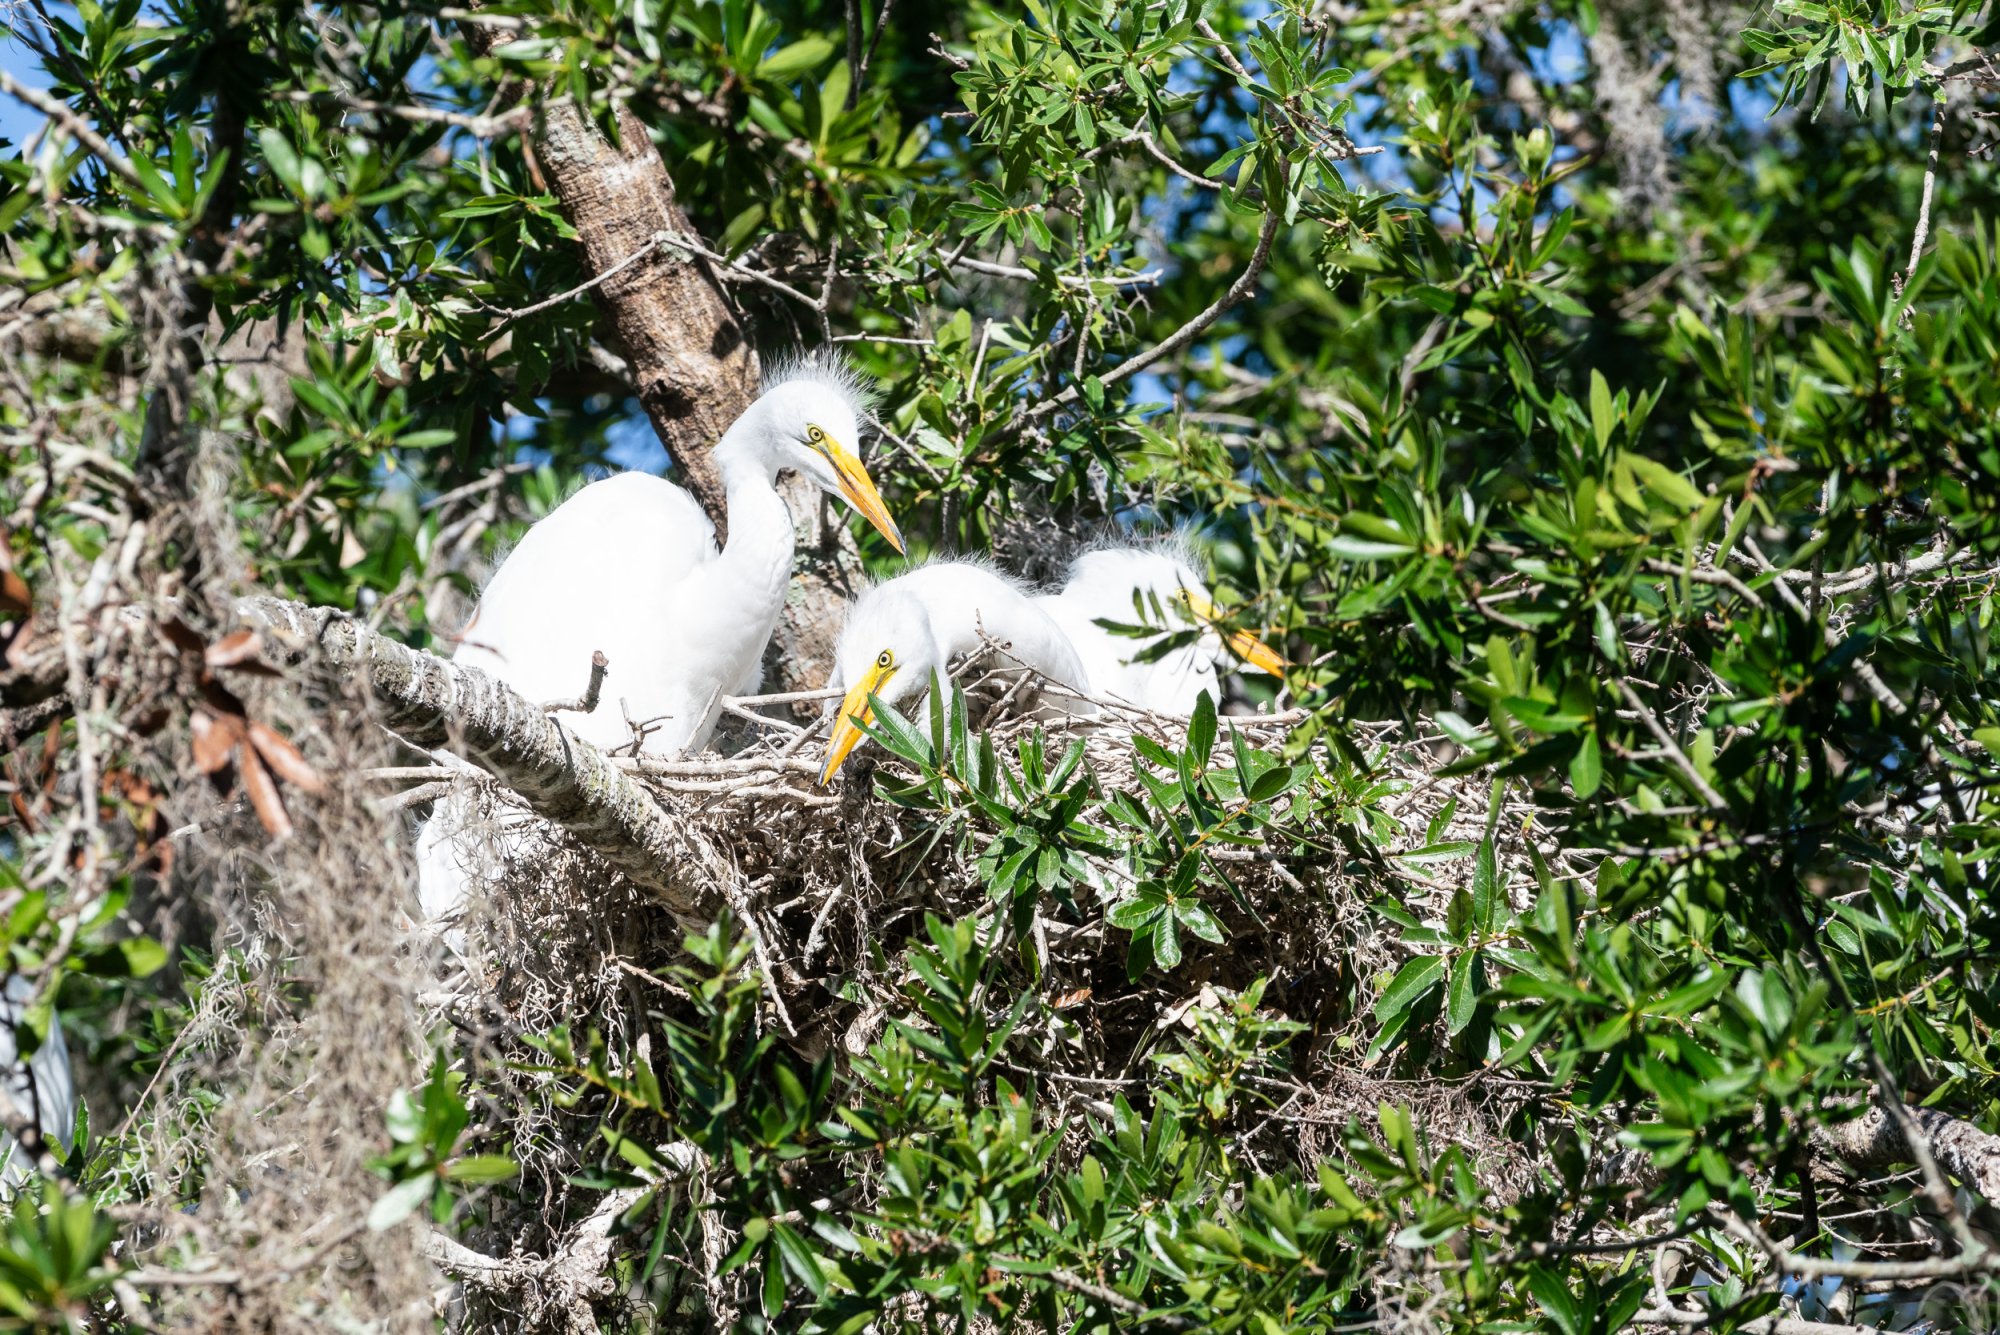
(246, 1154)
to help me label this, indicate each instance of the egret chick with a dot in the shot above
(900, 635)
(1121, 584)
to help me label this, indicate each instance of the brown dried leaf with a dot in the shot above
(284, 758)
(215, 737)
(236, 647)
(181, 635)
(24, 641)
(14, 594)
(262, 791)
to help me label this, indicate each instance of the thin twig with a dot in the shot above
(1143, 279)
(1188, 332)
(874, 40)
(77, 128)
(1924, 206)
(658, 239)
(480, 127)
(1672, 748)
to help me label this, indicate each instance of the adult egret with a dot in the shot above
(43, 1087)
(1122, 584)
(629, 566)
(900, 634)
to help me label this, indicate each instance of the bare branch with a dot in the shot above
(1924, 206)
(1188, 332)
(1704, 789)
(76, 127)
(658, 239)
(992, 270)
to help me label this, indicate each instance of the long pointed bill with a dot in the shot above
(854, 711)
(1257, 653)
(859, 489)
(1241, 643)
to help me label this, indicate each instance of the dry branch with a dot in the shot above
(1874, 1142)
(432, 702)
(576, 1274)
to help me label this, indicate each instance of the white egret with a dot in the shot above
(43, 1087)
(1122, 583)
(629, 566)
(900, 634)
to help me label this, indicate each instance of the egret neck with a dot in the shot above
(743, 589)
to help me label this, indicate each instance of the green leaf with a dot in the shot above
(1412, 981)
(400, 1201)
(1586, 767)
(482, 1168)
(1665, 483)
(1602, 420)
(1273, 782)
(1462, 993)
(1489, 895)
(1364, 549)
(791, 61)
(1201, 730)
(1132, 914)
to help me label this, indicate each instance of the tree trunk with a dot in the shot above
(689, 351)
(690, 358)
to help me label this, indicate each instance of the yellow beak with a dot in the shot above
(859, 489)
(1241, 643)
(854, 711)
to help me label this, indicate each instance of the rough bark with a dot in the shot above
(691, 359)
(1874, 1142)
(433, 702)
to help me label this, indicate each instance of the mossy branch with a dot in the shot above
(433, 702)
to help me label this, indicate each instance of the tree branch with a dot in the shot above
(1930, 184)
(1876, 1141)
(1188, 332)
(435, 703)
(77, 128)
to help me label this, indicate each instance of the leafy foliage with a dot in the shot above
(1627, 829)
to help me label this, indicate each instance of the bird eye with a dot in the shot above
(815, 436)
(885, 659)
(1187, 598)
